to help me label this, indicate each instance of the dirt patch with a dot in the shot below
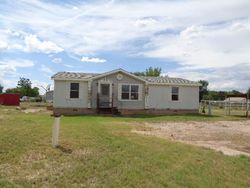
(33, 166)
(33, 156)
(229, 137)
(34, 110)
(79, 153)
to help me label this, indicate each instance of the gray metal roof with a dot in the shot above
(149, 79)
(168, 80)
(73, 75)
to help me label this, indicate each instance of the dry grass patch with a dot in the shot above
(79, 153)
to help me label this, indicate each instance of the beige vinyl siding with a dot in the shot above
(120, 104)
(160, 97)
(62, 94)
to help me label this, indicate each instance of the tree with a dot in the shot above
(1, 88)
(235, 92)
(222, 95)
(24, 88)
(203, 89)
(149, 72)
(153, 71)
(248, 91)
(139, 73)
(34, 92)
(215, 95)
(24, 82)
(13, 90)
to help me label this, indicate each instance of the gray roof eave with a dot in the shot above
(174, 84)
(70, 79)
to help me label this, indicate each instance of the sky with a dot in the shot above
(192, 39)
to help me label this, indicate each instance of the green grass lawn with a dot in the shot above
(102, 152)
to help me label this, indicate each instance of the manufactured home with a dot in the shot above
(120, 92)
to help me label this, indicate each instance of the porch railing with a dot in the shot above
(104, 105)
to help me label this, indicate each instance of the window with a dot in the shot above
(134, 92)
(175, 93)
(125, 92)
(74, 90)
(130, 92)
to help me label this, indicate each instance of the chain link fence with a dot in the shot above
(228, 108)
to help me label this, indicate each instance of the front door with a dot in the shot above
(105, 95)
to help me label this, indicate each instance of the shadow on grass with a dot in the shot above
(64, 149)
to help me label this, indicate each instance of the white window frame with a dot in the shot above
(178, 94)
(130, 92)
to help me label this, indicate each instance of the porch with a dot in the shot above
(106, 103)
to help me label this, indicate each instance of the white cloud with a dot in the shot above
(69, 66)
(34, 44)
(17, 63)
(26, 42)
(46, 69)
(9, 67)
(8, 70)
(57, 60)
(112, 25)
(195, 34)
(146, 22)
(233, 77)
(205, 46)
(7, 83)
(3, 45)
(92, 60)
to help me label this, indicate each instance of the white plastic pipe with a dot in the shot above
(55, 132)
(209, 109)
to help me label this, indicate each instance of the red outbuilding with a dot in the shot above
(9, 99)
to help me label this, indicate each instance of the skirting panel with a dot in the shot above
(87, 111)
(158, 111)
(73, 111)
